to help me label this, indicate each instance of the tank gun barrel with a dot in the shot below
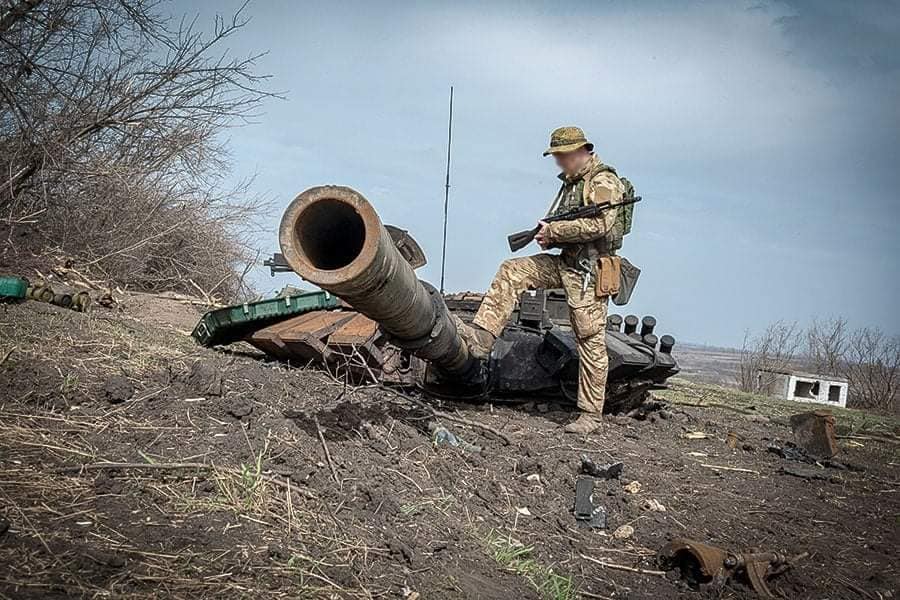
(332, 237)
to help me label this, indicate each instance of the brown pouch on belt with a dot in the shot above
(608, 275)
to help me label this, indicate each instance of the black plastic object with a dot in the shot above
(647, 325)
(666, 343)
(631, 323)
(605, 471)
(587, 513)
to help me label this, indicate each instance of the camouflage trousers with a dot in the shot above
(586, 311)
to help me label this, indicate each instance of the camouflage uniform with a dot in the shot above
(579, 239)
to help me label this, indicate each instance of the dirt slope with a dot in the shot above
(233, 495)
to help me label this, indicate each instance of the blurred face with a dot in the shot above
(570, 162)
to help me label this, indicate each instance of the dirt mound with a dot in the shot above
(137, 464)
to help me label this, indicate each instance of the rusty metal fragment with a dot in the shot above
(814, 432)
(705, 565)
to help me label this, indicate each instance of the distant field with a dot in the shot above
(708, 364)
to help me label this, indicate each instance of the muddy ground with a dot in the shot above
(230, 491)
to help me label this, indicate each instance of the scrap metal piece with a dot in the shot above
(604, 471)
(705, 564)
(699, 562)
(407, 246)
(587, 513)
(814, 432)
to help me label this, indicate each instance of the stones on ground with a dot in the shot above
(543, 407)
(732, 440)
(240, 409)
(694, 435)
(118, 389)
(204, 379)
(632, 487)
(623, 532)
(527, 465)
(654, 505)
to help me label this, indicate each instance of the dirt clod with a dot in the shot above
(118, 389)
(240, 409)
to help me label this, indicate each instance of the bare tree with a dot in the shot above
(873, 369)
(773, 350)
(111, 118)
(827, 343)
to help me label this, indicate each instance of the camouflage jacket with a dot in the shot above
(594, 183)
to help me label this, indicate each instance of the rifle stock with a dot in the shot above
(519, 240)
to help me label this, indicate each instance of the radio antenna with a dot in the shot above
(447, 190)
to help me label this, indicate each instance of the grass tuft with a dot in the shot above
(515, 556)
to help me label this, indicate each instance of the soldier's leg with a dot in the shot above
(588, 317)
(514, 277)
(593, 367)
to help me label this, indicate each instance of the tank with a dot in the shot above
(393, 328)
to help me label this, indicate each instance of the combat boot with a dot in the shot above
(480, 341)
(585, 423)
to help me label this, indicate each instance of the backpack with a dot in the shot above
(625, 215)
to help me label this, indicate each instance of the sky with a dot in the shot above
(764, 138)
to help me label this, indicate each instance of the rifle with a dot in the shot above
(519, 240)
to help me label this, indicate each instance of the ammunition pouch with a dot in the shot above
(628, 280)
(608, 276)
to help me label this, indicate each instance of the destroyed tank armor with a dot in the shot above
(393, 328)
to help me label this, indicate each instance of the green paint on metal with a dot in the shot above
(13, 287)
(233, 323)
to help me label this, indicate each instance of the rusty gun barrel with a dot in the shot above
(331, 236)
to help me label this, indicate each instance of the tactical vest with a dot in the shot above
(573, 196)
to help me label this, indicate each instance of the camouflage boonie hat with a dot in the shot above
(566, 139)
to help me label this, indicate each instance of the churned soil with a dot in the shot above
(134, 463)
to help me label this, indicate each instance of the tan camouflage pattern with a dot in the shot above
(587, 314)
(567, 139)
(603, 232)
(591, 184)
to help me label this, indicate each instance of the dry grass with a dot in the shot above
(849, 421)
(66, 519)
(85, 530)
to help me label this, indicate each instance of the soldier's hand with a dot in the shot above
(543, 236)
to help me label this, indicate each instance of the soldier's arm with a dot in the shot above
(606, 189)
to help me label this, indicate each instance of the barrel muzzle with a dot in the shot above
(332, 237)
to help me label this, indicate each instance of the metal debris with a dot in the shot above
(704, 565)
(587, 512)
(814, 432)
(603, 471)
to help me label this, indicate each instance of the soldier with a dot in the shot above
(584, 242)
